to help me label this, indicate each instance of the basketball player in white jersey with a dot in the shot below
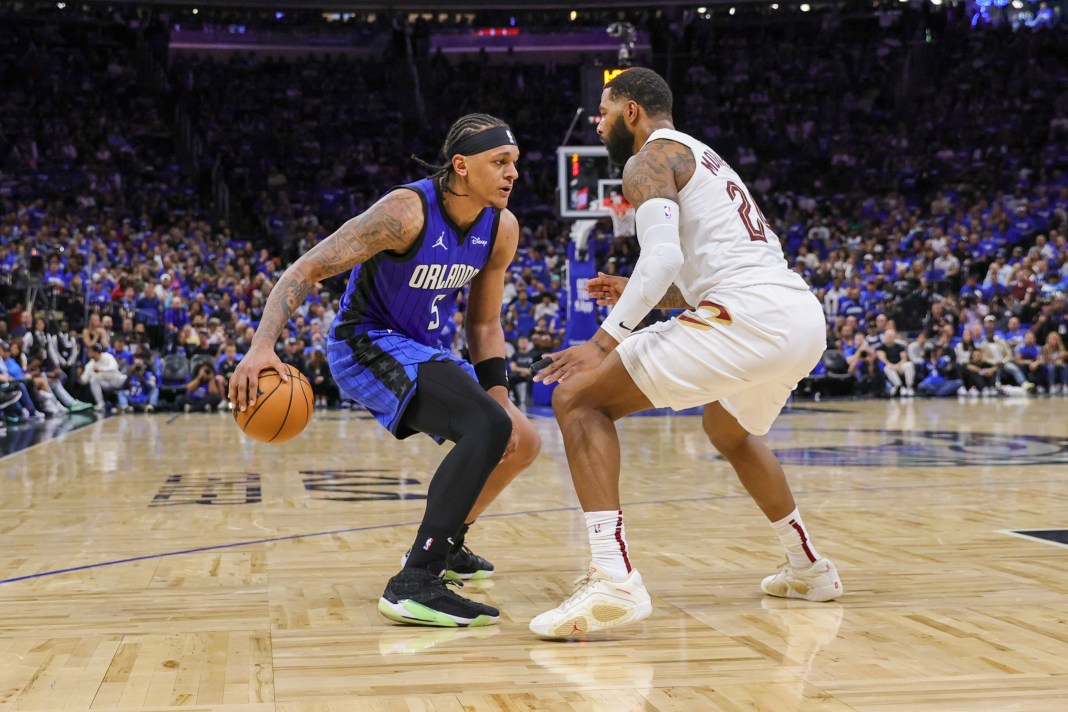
(751, 331)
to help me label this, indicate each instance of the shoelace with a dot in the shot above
(444, 581)
(785, 567)
(577, 587)
(462, 550)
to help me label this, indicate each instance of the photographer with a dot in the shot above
(202, 392)
(865, 365)
(140, 390)
(323, 385)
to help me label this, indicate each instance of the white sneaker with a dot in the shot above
(818, 582)
(596, 603)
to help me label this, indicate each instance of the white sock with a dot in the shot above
(608, 543)
(794, 538)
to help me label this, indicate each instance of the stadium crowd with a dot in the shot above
(921, 190)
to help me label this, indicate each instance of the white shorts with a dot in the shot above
(746, 349)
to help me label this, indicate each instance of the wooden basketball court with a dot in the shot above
(158, 562)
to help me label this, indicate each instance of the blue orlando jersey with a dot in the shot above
(414, 294)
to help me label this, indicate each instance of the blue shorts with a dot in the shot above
(379, 370)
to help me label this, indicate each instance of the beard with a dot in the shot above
(620, 142)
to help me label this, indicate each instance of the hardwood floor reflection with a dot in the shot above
(155, 562)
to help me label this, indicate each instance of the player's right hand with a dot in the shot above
(605, 288)
(245, 380)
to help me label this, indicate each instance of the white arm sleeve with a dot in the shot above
(660, 260)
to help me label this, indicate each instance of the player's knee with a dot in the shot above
(565, 400)
(729, 446)
(495, 425)
(529, 444)
(727, 441)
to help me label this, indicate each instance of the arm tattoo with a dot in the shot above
(286, 298)
(393, 224)
(656, 171)
(673, 299)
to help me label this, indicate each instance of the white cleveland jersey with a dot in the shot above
(726, 242)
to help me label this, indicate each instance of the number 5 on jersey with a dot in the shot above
(435, 320)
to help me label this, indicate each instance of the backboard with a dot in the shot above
(586, 178)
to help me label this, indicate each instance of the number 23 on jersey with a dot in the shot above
(758, 228)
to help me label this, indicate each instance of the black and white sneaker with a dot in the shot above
(418, 597)
(463, 564)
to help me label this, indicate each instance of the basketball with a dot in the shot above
(281, 410)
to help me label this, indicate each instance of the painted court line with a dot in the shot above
(292, 537)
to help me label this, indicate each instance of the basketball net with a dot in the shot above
(623, 224)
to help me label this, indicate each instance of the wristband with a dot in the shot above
(492, 372)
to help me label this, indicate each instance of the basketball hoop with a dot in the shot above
(623, 224)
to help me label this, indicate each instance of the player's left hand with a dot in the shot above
(571, 361)
(606, 289)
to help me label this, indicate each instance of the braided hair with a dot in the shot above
(462, 128)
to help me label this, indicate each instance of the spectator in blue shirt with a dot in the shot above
(849, 305)
(175, 318)
(99, 293)
(123, 356)
(148, 307)
(54, 274)
(1029, 360)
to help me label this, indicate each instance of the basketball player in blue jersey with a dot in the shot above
(410, 254)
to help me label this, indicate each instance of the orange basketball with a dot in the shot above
(282, 409)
